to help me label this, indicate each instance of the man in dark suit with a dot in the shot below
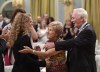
(81, 49)
(2, 48)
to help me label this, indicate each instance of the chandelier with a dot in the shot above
(17, 3)
(66, 2)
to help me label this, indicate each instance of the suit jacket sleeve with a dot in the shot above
(2, 48)
(83, 39)
(2, 45)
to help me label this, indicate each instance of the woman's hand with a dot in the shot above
(26, 50)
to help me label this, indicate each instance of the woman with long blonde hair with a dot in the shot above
(20, 36)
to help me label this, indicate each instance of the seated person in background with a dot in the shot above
(56, 61)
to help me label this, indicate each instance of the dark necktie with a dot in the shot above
(77, 32)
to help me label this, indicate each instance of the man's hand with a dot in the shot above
(49, 45)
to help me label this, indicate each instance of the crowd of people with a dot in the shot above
(19, 36)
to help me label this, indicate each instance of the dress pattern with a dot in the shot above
(58, 63)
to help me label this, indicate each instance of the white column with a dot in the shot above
(27, 5)
(56, 10)
(61, 11)
(78, 3)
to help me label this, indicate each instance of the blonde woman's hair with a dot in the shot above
(19, 25)
(57, 26)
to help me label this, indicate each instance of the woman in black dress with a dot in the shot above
(20, 36)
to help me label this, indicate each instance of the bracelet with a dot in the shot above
(34, 52)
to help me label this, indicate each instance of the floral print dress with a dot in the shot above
(58, 63)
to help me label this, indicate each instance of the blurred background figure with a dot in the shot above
(7, 20)
(45, 16)
(68, 31)
(42, 32)
(2, 22)
(49, 20)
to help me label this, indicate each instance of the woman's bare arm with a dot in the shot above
(41, 55)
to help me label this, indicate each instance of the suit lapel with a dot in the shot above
(81, 30)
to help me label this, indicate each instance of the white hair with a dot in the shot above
(82, 13)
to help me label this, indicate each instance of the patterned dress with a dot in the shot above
(58, 63)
